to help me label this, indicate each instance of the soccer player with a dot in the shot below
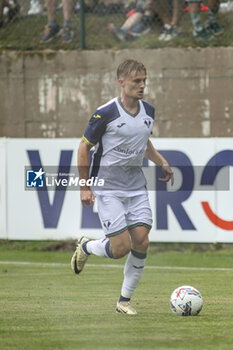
(120, 132)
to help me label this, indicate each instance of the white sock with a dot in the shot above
(99, 247)
(132, 273)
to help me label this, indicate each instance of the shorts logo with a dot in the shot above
(107, 224)
(35, 178)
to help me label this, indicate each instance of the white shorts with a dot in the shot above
(118, 214)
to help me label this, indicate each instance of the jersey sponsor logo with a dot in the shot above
(128, 151)
(96, 116)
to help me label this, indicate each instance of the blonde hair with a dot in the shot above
(129, 66)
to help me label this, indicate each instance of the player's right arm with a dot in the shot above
(86, 194)
(93, 133)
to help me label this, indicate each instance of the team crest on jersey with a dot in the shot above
(96, 116)
(147, 122)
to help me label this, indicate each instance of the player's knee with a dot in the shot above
(120, 251)
(142, 244)
(145, 243)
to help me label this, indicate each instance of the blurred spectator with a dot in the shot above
(12, 13)
(211, 27)
(170, 12)
(35, 8)
(138, 22)
(52, 29)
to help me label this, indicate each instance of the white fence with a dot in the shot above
(198, 209)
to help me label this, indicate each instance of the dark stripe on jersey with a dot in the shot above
(110, 112)
(99, 120)
(150, 110)
(96, 160)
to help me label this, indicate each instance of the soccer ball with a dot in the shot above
(186, 301)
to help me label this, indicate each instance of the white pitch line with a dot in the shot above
(119, 266)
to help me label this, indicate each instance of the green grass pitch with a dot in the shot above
(44, 306)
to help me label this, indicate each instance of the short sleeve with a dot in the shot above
(95, 129)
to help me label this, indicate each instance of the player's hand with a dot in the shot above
(87, 197)
(168, 174)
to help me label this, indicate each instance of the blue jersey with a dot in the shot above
(120, 141)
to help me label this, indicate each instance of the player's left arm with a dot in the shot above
(158, 159)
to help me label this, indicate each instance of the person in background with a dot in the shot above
(211, 28)
(137, 24)
(170, 12)
(52, 29)
(12, 13)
